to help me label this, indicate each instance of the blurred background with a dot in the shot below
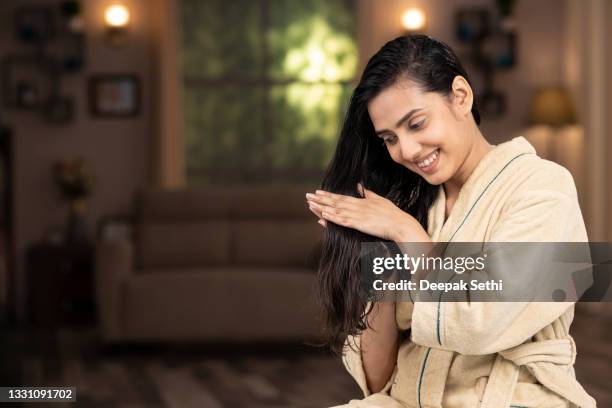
(155, 245)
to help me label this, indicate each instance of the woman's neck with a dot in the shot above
(480, 147)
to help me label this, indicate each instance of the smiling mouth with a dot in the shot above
(428, 162)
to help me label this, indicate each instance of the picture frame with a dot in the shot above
(68, 49)
(501, 49)
(472, 24)
(114, 95)
(28, 82)
(34, 24)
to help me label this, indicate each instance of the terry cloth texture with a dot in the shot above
(491, 354)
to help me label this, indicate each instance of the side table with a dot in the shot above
(60, 283)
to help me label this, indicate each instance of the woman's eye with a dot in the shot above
(389, 140)
(414, 126)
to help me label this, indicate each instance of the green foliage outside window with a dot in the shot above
(266, 83)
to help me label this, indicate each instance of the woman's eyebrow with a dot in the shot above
(402, 120)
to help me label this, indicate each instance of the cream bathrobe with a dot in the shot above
(491, 355)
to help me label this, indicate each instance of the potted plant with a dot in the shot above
(75, 181)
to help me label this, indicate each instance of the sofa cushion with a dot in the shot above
(182, 243)
(280, 243)
(247, 226)
(222, 304)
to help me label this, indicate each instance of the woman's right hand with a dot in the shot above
(316, 210)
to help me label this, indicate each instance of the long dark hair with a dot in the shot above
(360, 157)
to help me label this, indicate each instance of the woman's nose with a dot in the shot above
(409, 149)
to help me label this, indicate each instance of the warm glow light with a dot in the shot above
(413, 19)
(117, 15)
(552, 106)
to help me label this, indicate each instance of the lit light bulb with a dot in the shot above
(117, 15)
(413, 19)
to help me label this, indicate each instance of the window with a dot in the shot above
(266, 84)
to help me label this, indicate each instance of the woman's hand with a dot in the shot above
(316, 210)
(373, 215)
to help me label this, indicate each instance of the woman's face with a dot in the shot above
(423, 131)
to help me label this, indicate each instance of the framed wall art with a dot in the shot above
(28, 82)
(114, 95)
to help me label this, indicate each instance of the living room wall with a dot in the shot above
(116, 149)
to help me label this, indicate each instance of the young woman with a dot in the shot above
(411, 165)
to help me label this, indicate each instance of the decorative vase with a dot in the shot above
(76, 227)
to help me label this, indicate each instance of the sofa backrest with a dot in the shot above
(250, 226)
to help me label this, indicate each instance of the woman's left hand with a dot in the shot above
(373, 215)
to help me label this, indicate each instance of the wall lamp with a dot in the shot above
(413, 20)
(116, 18)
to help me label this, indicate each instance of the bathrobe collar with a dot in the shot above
(485, 173)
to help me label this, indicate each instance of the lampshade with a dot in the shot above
(552, 106)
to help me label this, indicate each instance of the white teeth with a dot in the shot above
(429, 160)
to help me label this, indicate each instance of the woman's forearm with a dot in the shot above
(379, 345)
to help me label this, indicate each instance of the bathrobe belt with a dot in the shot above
(550, 363)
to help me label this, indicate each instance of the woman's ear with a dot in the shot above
(462, 96)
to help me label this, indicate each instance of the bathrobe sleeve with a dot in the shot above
(544, 210)
(351, 358)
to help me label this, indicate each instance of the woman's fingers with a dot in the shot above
(334, 200)
(332, 209)
(318, 209)
(320, 199)
(336, 218)
(361, 189)
(326, 196)
(314, 209)
(366, 193)
(319, 216)
(336, 208)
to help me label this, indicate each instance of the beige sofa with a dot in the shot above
(212, 264)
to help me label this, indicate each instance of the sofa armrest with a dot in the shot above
(114, 263)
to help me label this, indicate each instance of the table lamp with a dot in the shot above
(552, 107)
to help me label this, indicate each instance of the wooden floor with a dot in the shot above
(212, 376)
(215, 376)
